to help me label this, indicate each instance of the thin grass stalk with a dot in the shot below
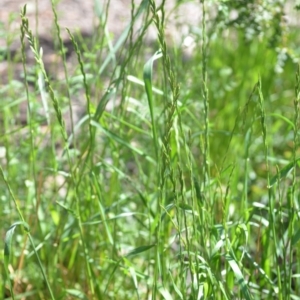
(247, 144)
(7, 111)
(36, 17)
(195, 190)
(63, 55)
(87, 94)
(181, 271)
(205, 96)
(29, 119)
(103, 23)
(206, 200)
(67, 89)
(297, 90)
(32, 158)
(245, 207)
(158, 247)
(271, 230)
(148, 87)
(38, 58)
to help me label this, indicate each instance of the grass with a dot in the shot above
(179, 179)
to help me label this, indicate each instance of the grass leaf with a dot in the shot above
(148, 70)
(239, 276)
(283, 172)
(139, 250)
(9, 235)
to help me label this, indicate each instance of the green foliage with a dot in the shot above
(179, 179)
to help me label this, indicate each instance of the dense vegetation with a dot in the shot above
(180, 178)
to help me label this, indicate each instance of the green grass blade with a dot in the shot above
(239, 276)
(148, 71)
(9, 235)
(139, 250)
(283, 173)
(76, 294)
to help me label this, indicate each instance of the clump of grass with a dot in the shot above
(185, 188)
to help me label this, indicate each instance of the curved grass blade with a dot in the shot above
(239, 276)
(76, 294)
(7, 249)
(102, 103)
(148, 70)
(121, 141)
(296, 238)
(9, 235)
(139, 250)
(165, 293)
(283, 172)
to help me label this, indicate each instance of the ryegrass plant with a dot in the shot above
(179, 180)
